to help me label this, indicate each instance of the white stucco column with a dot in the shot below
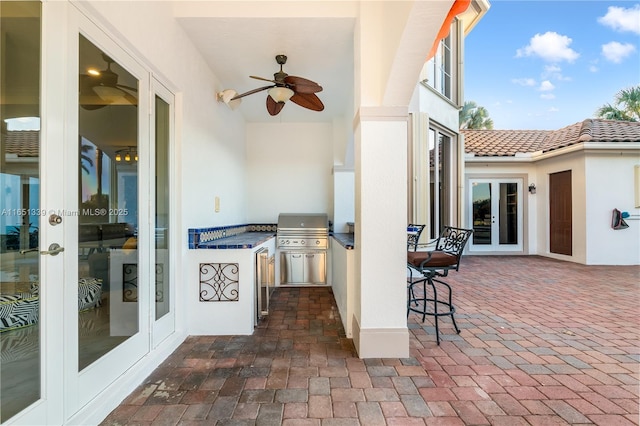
(379, 322)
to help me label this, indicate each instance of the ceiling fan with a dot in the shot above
(287, 87)
(99, 88)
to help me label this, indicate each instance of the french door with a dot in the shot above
(496, 214)
(85, 254)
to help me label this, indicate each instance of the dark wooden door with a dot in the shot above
(560, 225)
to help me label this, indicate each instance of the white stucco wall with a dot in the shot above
(601, 179)
(344, 198)
(575, 162)
(210, 138)
(609, 184)
(342, 277)
(441, 111)
(288, 167)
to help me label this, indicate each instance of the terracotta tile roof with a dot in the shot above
(25, 143)
(506, 143)
(503, 143)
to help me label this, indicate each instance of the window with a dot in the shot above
(439, 72)
(441, 181)
(433, 177)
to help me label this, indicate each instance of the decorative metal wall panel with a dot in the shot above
(159, 282)
(219, 282)
(130, 282)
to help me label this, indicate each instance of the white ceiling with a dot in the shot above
(319, 49)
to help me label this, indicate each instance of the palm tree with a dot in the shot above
(472, 116)
(627, 106)
(84, 158)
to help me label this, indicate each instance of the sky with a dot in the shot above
(544, 65)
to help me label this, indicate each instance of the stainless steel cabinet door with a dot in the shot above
(314, 268)
(291, 267)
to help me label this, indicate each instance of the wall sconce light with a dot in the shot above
(532, 188)
(127, 153)
(227, 96)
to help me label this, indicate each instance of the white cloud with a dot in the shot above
(524, 81)
(593, 68)
(550, 46)
(555, 72)
(547, 96)
(616, 52)
(621, 19)
(553, 109)
(546, 86)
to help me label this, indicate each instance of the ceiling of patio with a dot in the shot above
(319, 49)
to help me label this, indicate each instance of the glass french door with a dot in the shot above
(495, 214)
(111, 251)
(162, 212)
(21, 219)
(85, 213)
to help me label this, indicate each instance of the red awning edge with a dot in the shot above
(458, 7)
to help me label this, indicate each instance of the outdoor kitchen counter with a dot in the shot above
(245, 240)
(221, 292)
(343, 278)
(345, 240)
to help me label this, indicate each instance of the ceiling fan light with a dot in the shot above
(111, 95)
(280, 94)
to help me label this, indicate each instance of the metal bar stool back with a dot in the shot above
(433, 265)
(413, 236)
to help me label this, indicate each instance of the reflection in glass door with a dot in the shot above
(162, 126)
(496, 214)
(20, 210)
(108, 204)
(441, 181)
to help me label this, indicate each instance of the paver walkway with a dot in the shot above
(543, 342)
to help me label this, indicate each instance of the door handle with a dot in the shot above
(54, 249)
(25, 251)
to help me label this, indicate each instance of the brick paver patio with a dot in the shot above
(543, 342)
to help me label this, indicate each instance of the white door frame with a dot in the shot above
(164, 326)
(49, 408)
(495, 246)
(69, 396)
(82, 387)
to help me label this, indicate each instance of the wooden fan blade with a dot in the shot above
(302, 85)
(308, 100)
(251, 92)
(261, 78)
(131, 99)
(91, 107)
(274, 107)
(122, 86)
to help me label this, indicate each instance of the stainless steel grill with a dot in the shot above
(297, 230)
(302, 242)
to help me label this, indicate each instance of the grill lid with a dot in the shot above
(303, 221)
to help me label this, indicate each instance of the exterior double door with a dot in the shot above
(84, 256)
(495, 215)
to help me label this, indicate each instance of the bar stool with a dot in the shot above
(438, 262)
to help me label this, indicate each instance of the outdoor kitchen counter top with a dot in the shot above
(245, 240)
(345, 240)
